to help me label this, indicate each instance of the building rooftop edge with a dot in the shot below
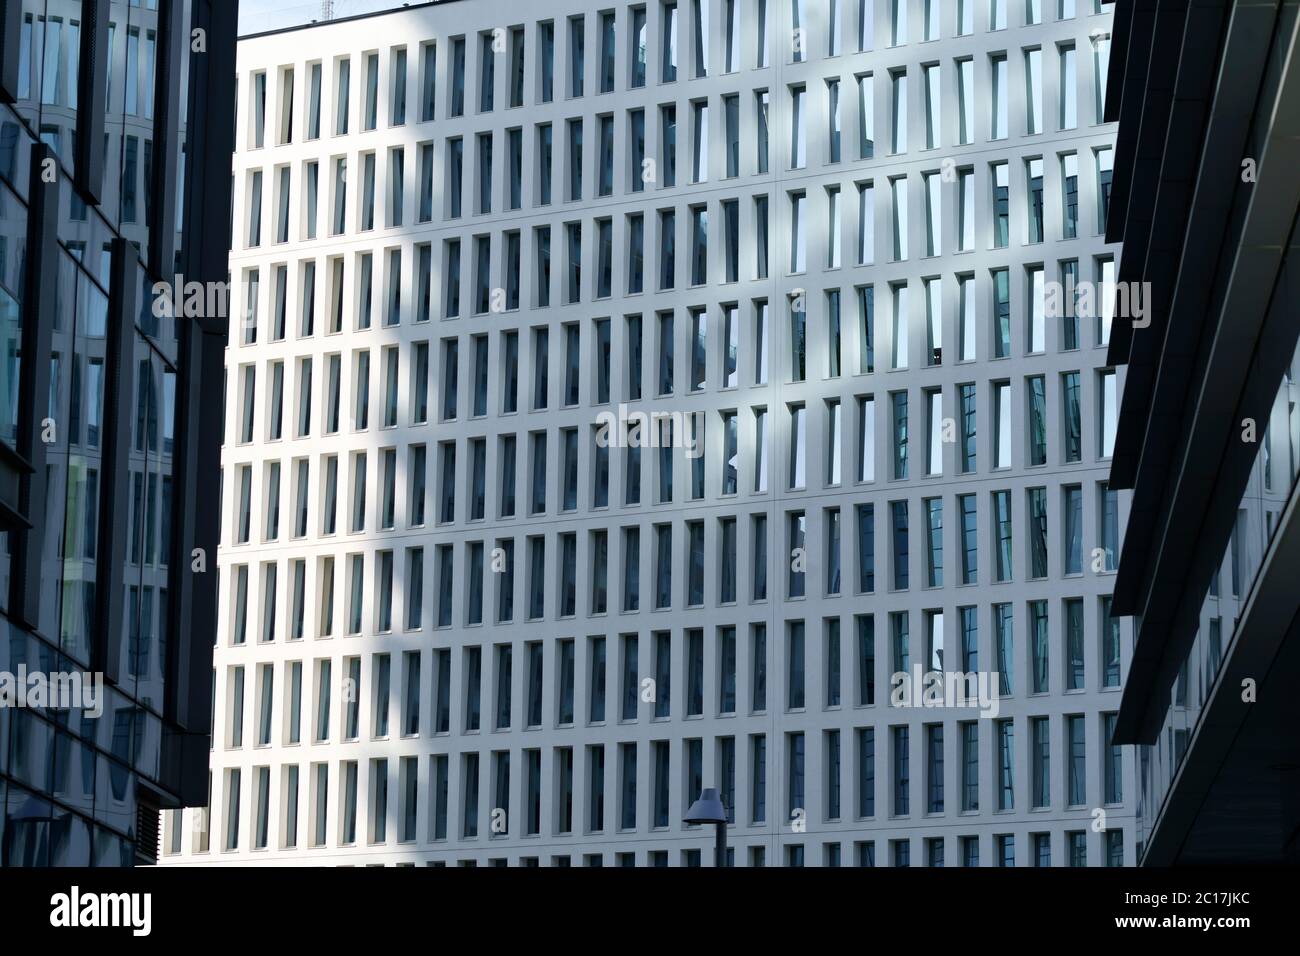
(356, 16)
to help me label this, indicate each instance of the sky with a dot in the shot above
(256, 16)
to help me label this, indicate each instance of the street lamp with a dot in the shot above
(709, 809)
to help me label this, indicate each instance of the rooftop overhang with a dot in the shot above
(1217, 354)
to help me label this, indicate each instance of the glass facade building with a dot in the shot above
(108, 401)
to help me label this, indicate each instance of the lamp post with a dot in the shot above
(709, 809)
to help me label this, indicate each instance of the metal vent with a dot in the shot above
(146, 831)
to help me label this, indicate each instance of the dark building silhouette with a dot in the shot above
(1205, 198)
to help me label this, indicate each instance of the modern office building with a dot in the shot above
(108, 457)
(469, 618)
(1205, 199)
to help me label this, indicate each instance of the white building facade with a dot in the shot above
(469, 621)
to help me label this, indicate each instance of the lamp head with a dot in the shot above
(707, 809)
